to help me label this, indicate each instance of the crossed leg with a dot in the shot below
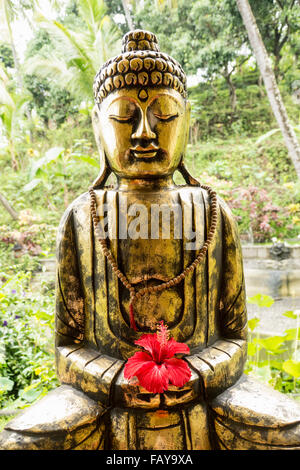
(252, 416)
(65, 419)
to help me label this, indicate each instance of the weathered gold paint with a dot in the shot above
(162, 120)
(219, 408)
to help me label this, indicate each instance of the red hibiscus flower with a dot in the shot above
(156, 367)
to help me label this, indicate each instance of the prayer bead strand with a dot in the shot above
(165, 285)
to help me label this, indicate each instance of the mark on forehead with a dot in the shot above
(143, 94)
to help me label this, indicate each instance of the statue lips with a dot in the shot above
(145, 153)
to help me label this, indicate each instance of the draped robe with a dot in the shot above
(95, 407)
(207, 310)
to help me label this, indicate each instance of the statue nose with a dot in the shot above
(144, 130)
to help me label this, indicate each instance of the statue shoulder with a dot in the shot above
(79, 202)
(199, 193)
(77, 216)
(225, 209)
(230, 226)
(79, 208)
(228, 217)
(201, 196)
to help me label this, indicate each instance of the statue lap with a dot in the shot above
(247, 416)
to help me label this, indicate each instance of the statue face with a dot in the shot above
(143, 132)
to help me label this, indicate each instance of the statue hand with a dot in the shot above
(132, 395)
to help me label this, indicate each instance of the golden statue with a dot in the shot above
(112, 290)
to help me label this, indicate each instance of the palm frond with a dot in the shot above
(5, 97)
(72, 38)
(71, 75)
(92, 11)
(78, 55)
(46, 68)
(64, 38)
(107, 41)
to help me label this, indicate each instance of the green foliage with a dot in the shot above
(52, 103)
(6, 55)
(115, 7)
(55, 170)
(78, 49)
(257, 182)
(12, 109)
(4, 420)
(213, 116)
(275, 359)
(261, 300)
(292, 368)
(26, 337)
(197, 34)
(211, 36)
(254, 175)
(278, 22)
(252, 324)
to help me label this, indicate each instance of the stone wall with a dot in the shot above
(274, 277)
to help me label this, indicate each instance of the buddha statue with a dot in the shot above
(120, 273)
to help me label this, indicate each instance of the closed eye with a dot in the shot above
(166, 117)
(121, 118)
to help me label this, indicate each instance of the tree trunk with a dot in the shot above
(276, 65)
(273, 92)
(232, 92)
(127, 15)
(8, 207)
(260, 84)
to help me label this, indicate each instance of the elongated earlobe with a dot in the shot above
(105, 170)
(101, 178)
(187, 120)
(188, 178)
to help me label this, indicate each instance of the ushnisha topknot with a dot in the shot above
(141, 64)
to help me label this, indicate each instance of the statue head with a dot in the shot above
(141, 116)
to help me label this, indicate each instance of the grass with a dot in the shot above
(4, 420)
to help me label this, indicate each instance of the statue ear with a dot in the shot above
(96, 127)
(188, 178)
(188, 118)
(105, 170)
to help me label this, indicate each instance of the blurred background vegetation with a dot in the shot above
(49, 54)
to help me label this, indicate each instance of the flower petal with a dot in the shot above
(136, 363)
(154, 378)
(173, 347)
(179, 372)
(151, 344)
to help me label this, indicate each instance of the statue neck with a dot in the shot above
(141, 184)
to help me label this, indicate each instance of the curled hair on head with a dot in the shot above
(140, 64)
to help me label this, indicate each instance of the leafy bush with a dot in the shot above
(26, 338)
(275, 360)
(23, 245)
(255, 211)
(214, 118)
(256, 179)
